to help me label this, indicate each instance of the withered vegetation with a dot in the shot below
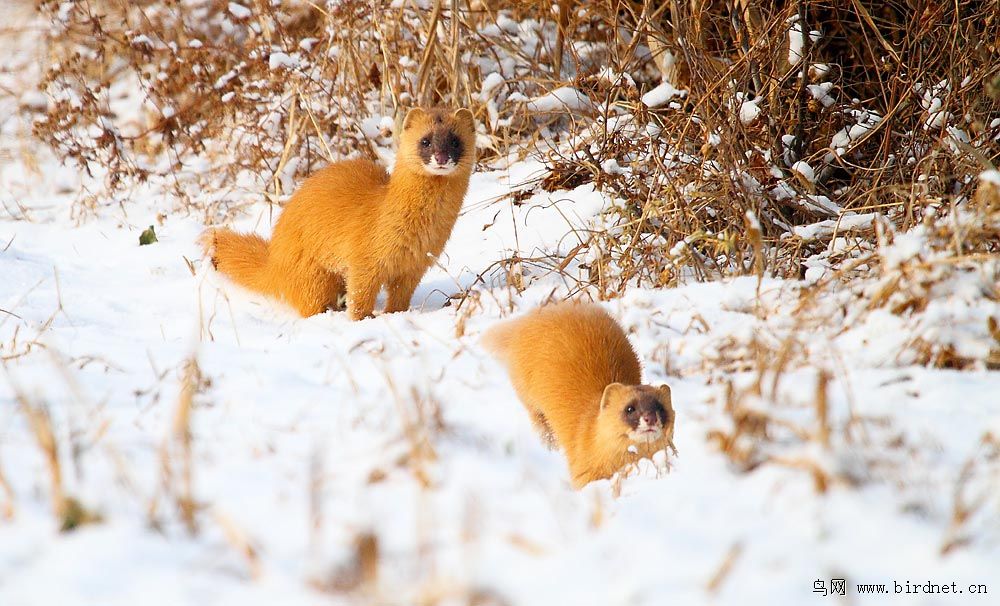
(734, 138)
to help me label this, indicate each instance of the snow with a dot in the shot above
(286, 391)
(490, 83)
(749, 110)
(933, 103)
(827, 227)
(905, 247)
(821, 92)
(142, 40)
(936, 117)
(612, 167)
(812, 202)
(280, 60)
(990, 176)
(239, 11)
(844, 137)
(564, 98)
(866, 121)
(309, 434)
(35, 100)
(296, 401)
(386, 125)
(816, 273)
(821, 202)
(616, 78)
(802, 167)
(819, 70)
(796, 41)
(660, 95)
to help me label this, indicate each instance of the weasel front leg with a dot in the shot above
(362, 291)
(401, 289)
(335, 291)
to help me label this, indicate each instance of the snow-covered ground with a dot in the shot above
(320, 445)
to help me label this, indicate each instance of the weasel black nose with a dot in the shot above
(441, 157)
(651, 418)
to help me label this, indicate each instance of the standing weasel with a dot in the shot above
(351, 222)
(576, 373)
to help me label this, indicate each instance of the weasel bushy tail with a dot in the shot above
(242, 257)
(496, 340)
(250, 261)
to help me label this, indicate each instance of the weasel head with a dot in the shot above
(640, 413)
(437, 141)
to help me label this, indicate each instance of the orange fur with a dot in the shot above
(352, 227)
(575, 372)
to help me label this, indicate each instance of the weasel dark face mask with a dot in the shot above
(441, 150)
(442, 140)
(646, 418)
(646, 413)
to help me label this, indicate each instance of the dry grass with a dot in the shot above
(701, 194)
(176, 458)
(770, 421)
(65, 508)
(974, 495)
(359, 574)
(287, 86)
(696, 170)
(7, 508)
(892, 105)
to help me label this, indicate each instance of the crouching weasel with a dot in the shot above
(353, 228)
(579, 378)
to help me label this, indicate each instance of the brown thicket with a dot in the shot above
(893, 105)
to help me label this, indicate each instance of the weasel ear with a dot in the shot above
(611, 392)
(411, 116)
(465, 117)
(664, 392)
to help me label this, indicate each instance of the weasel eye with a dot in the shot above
(453, 142)
(425, 142)
(630, 410)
